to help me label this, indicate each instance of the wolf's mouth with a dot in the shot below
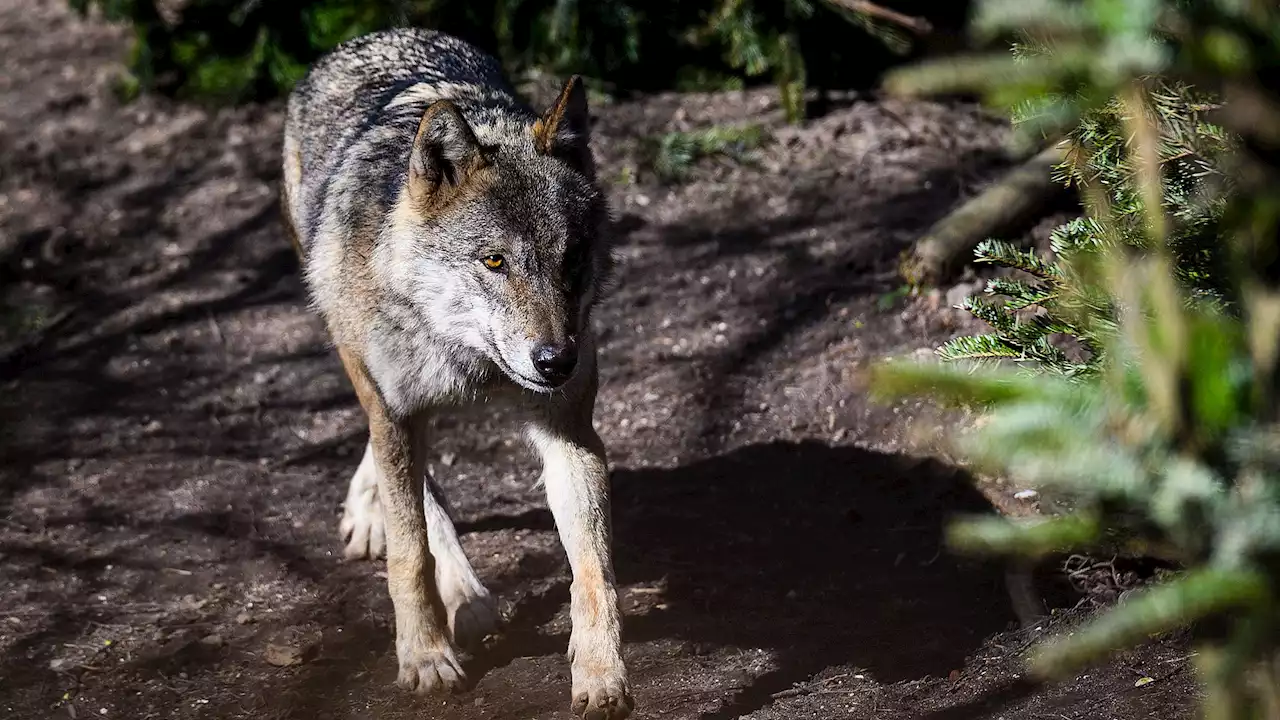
(535, 384)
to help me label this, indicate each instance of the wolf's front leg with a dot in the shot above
(576, 474)
(428, 661)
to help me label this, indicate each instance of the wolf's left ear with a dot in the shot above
(564, 130)
(445, 152)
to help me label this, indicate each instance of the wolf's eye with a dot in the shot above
(494, 262)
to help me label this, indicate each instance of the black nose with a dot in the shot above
(555, 362)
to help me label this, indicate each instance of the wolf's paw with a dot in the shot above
(601, 696)
(434, 672)
(362, 527)
(473, 614)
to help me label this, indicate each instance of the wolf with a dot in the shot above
(455, 242)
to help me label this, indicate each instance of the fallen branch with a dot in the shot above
(918, 25)
(1011, 201)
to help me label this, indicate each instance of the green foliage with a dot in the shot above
(1062, 82)
(674, 154)
(758, 42)
(1171, 435)
(1065, 294)
(237, 50)
(1167, 445)
(887, 301)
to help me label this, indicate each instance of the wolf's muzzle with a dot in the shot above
(555, 362)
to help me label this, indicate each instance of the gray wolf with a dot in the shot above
(454, 242)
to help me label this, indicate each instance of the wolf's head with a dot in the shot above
(501, 229)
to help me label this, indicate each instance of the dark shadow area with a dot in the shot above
(989, 703)
(533, 519)
(826, 556)
(69, 374)
(143, 560)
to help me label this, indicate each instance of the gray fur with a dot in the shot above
(409, 164)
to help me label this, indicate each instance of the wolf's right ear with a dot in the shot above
(445, 152)
(564, 130)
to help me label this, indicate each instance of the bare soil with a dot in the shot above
(177, 435)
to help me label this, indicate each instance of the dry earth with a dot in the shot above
(177, 435)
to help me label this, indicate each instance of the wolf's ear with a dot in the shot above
(564, 130)
(445, 152)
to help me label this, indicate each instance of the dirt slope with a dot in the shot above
(176, 435)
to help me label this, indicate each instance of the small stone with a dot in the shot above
(448, 459)
(282, 655)
(244, 618)
(1026, 495)
(213, 641)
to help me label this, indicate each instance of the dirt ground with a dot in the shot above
(177, 436)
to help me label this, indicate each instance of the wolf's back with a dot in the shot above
(353, 115)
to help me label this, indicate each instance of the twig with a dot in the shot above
(811, 688)
(918, 25)
(792, 692)
(217, 331)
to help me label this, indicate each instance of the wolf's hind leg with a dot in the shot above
(471, 610)
(362, 526)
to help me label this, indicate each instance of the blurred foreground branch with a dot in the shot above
(918, 25)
